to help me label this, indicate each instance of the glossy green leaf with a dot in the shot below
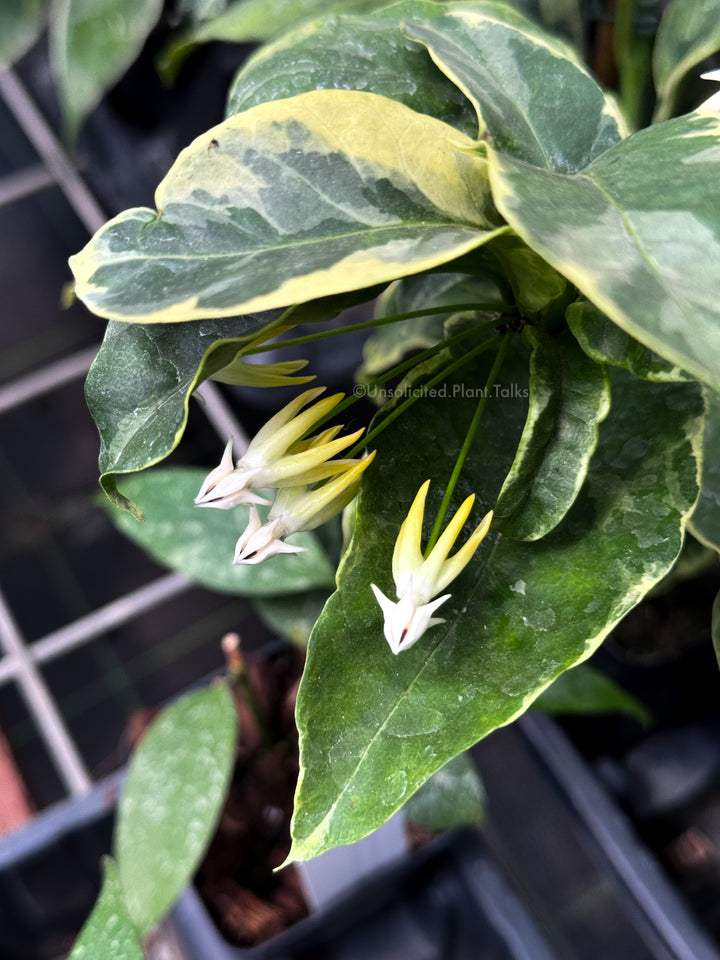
(388, 345)
(688, 33)
(705, 521)
(20, 24)
(536, 99)
(373, 726)
(450, 798)
(92, 43)
(200, 542)
(605, 342)
(139, 386)
(171, 800)
(569, 398)
(108, 933)
(248, 21)
(325, 193)
(635, 232)
(585, 690)
(292, 617)
(369, 53)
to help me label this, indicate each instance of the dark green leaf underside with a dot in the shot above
(583, 690)
(20, 24)
(450, 798)
(92, 43)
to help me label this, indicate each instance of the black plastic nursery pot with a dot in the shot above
(447, 900)
(555, 871)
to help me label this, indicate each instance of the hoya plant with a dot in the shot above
(544, 354)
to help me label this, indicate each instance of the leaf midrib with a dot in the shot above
(327, 238)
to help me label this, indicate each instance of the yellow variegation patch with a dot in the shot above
(303, 198)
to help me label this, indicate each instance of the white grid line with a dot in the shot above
(108, 617)
(41, 704)
(52, 154)
(24, 183)
(54, 375)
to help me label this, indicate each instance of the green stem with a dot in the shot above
(417, 358)
(633, 57)
(467, 442)
(419, 392)
(380, 321)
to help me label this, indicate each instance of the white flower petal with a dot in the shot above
(229, 491)
(406, 621)
(260, 541)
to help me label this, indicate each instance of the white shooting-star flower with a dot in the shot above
(296, 509)
(277, 457)
(419, 579)
(260, 541)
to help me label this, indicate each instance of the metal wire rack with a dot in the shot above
(21, 660)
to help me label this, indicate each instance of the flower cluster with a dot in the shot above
(419, 579)
(311, 487)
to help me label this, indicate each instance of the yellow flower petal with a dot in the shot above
(457, 563)
(431, 569)
(407, 555)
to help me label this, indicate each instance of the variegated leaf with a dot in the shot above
(637, 231)
(705, 521)
(328, 192)
(247, 21)
(688, 33)
(531, 90)
(369, 53)
(569, 398)
(604, 342)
